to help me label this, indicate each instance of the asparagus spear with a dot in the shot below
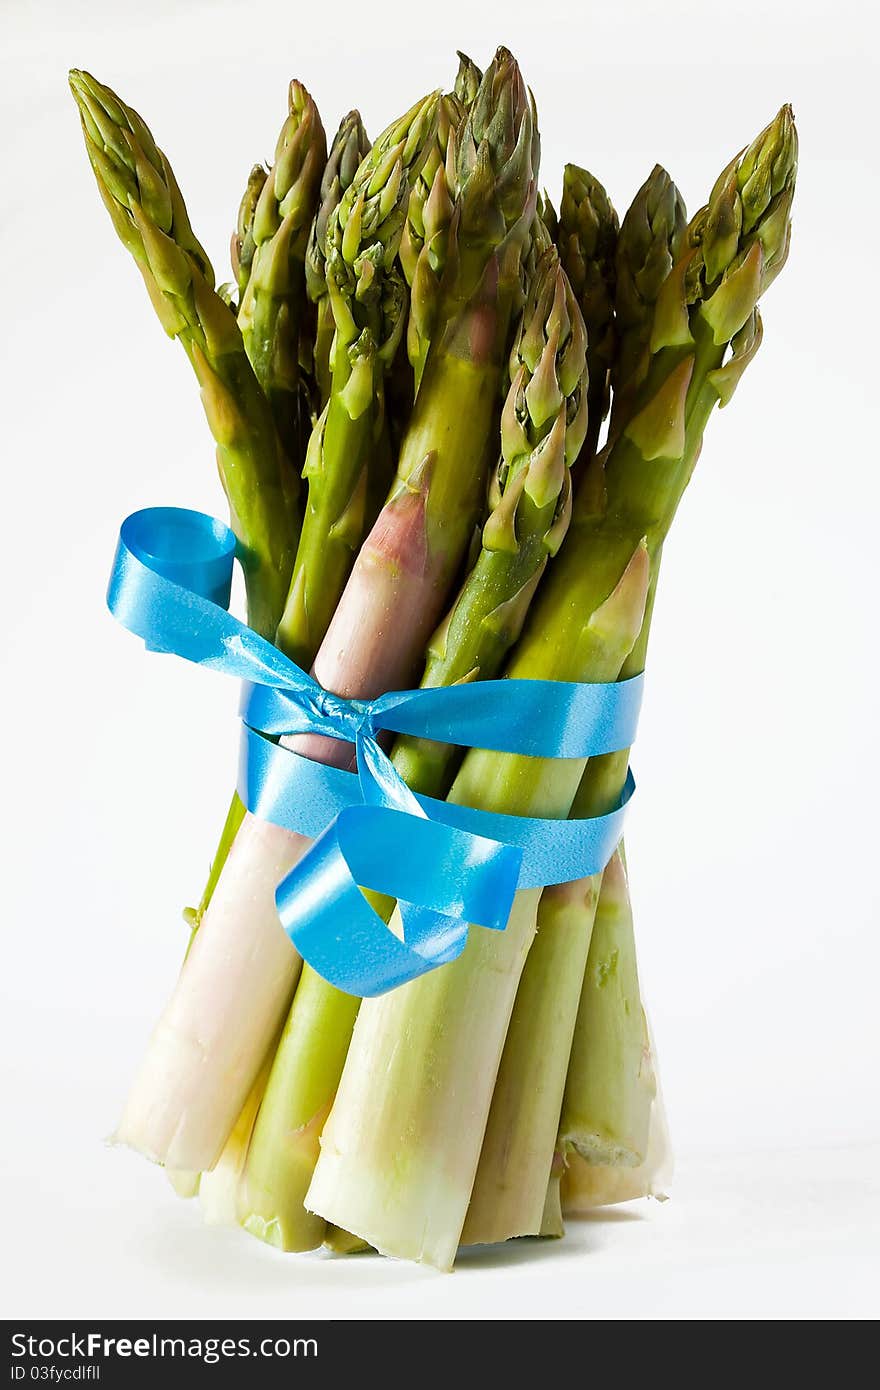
(587, 237)
(141, 194)
(242, 246)
(543, 1022)
(752, 199)
(429, 1108)
(350, 147)
(542, 430)
(585, 1185)
(650, 239)
(236, 982)
(425, 242)
(218, 1188)
(287, 1135)
(400, 1147)
(610, 1086)
(273, 299)
(707, 305)
(367, 300)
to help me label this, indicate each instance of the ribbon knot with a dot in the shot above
(335, 715)
(446, 865)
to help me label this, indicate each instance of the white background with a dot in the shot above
(753, 843)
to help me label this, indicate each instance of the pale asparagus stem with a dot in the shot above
(566, 992)
(585, 1185)
(171, 1115)
(218, 1191)
(552, 1223)
(520, 1133)
(279, 1166)
(343, 1243)
(400, 1149)
(610, 1085)
(184, 1182)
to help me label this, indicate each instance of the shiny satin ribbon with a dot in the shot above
(447, 865)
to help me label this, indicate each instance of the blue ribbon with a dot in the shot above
(447, 865)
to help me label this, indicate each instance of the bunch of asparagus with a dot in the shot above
(495, 410)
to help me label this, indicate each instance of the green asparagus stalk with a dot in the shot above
(427, 221)
(425, 241)
(273, 301)
(242, 246)
(218, 1188)
(706, 306)
(542, 431)
(752, 201)
(287, 1134)
(145, 205)
(350, 147)
(469, 222)
(343, 1243)
(610, 1088)
(651, 238)
(584, 1185)
(455, 1020)
(400, 1148)
(368, 301)
(587, 238)
(544, 1019)
(540, 1026)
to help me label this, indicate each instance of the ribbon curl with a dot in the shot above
(447, 865)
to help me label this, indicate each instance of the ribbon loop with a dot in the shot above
(447, 865)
